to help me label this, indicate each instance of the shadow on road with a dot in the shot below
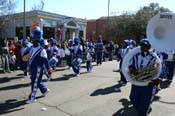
(167, 102)
(8, 79)
(62, 69)
(20, 75)
(127, 110)
(11, 105)
(107, 90)
(14, 86)
(86, 66)
(64, 78)
(118, 70)
(165, 84)
(157, 98)
(83, 73)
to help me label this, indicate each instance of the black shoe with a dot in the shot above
(149, 110)
(3, 71)
(169, 80)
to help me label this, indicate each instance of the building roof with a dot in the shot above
(103, 18)
(47, 14)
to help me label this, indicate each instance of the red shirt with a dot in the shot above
(12, 48)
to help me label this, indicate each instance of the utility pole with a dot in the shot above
(24, 20)
(108, 9)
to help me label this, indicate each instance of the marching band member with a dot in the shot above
(24, 52)
(69, 52)
(90, 51)
(61, 54)
(123, 51)
(77, 54)
(142, 96)
(110, 49)
(53, 46)
(132, 43)
(44, 44)
(170, 65)
(55, 53)
(37, 58)
(53, 60)
(99, 50)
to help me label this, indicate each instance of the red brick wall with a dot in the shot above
(91, 27)
(97, 26)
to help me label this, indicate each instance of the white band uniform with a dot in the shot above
(125, 68)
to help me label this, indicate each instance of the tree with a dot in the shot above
(144, 15)
(7, 8)
(133, 25)
(39, 6)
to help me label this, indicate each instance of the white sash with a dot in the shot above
(33, 54)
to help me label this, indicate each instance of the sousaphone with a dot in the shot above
(161, 35)
(161, 32)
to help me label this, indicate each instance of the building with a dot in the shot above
(49, 23)
(96, 28)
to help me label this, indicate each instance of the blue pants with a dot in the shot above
(5, 62)
(69, 60)
(76, 63)
(24, 67)
(76, 69)
(170, 65)
(45, 72)
(110, 55)
(36, 82)
(122, 77)
(89, 65)
(99, 57)
(141, 98)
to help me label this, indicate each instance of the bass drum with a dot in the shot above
(125, 68)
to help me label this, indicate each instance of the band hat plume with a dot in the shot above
(37, 34)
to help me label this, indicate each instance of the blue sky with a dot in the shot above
(92, 9)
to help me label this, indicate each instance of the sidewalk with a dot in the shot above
(90, 94)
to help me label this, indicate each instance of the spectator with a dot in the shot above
(12, 47)
(12, 61)
(5, 55)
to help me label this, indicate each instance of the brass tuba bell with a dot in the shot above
(161, 32)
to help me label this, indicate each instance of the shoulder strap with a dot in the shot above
(34, 55)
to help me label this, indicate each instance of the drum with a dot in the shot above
(53, 61)
(25, 58)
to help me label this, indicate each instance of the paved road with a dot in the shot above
(90, 94)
